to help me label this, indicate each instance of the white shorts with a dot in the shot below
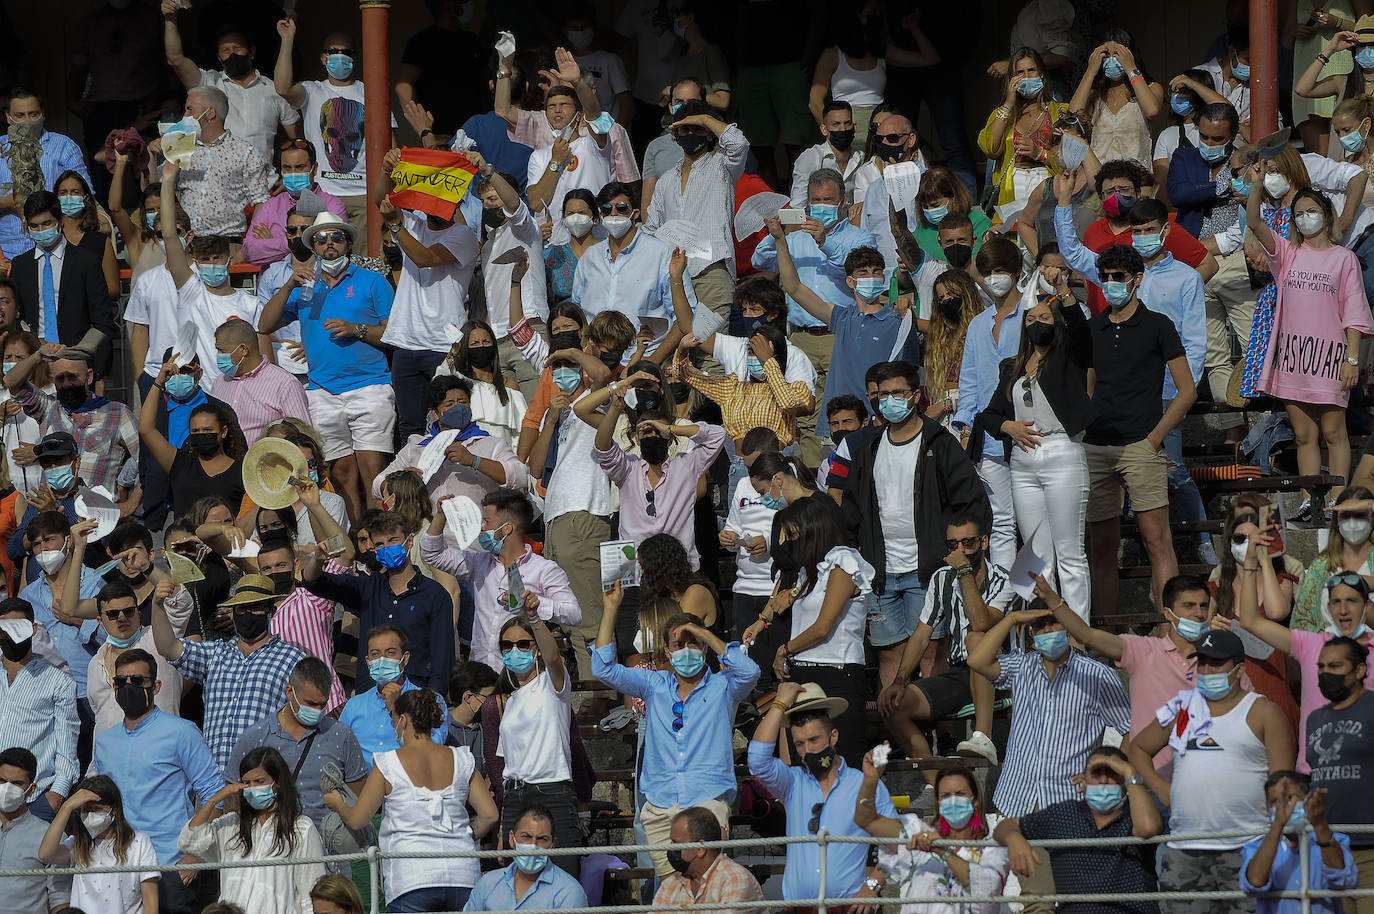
(357, 420)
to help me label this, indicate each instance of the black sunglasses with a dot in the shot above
(126, 612)
(524, 644)
(346, 51)
(968, 542)
(892, 138)
(141, 682)
(327, 237)
(295, 229)
(814, 825)
(623, 208)
(650, 509)
(1026, 397)
(1116, 276)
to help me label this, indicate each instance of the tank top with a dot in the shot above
(858, 87)
(420, 819)
(1218, 784)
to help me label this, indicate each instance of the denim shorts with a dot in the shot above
(895, 613)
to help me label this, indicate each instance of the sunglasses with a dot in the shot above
(141, 682)
(127, 612)
(328, 237)
(892, 138)
(524, 644)
(293, 144)
(815, 823)
(1026, 397)
(345, 51)
(1117, 276)
(650, 508)
(968, 542)
(623, 208)
(677, 716)
(294, 230)
(1349, 578)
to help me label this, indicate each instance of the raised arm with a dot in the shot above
(540, 193)
(791, 281)
(283, 79)
(127, 230)
(156, 443)
(502, 104)
(185, 68)
(168, 644)
(1106, 643)
(1253, 220)
(1272, 633)
(71, 609)
(177, 262)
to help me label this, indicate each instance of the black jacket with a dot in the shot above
(946, 484)
(1063, 381)
(83, 302)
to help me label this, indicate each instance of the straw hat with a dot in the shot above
(253, 588)
(268, 468)
(328, 220)
(1364, 28)
(813, 698)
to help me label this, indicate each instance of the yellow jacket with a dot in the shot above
(1006, 155)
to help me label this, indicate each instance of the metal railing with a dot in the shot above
(822, 902)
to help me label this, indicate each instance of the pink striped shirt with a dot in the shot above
(307, 621)
(262, 396)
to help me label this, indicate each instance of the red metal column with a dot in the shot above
(1264, 68)
(377, 98)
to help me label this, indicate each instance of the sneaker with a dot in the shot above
(1304, 513)
(978, 744)
(1207, 554)
(924, 805)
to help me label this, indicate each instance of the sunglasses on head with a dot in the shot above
(524, 644)
(293, 144)
(623, 208)
(1348, 578)
(328, 237)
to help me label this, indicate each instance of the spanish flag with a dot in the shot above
(431, 181)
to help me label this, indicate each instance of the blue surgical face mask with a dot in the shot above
(956, 810)
(1053, 645)
(225, 363)
(1241, 187)
(1116, 293)
(935, 214)
(1112, 68)
(1353, 141)
(150, 219)
(1104, 797)
(59, 478)
(339, 66)
(566, 379)
(46, 238)
(260, 797)
(755, 367)
(1215, 686)
(1190, 629)
(870, 288)
(295, 183)
(827, 214)
(1030, 86)
(214, 275)
(122, 642)
(528, 861)
(308, 716)
(1148, 245)
(490, 542)
(72, 205)
(1297, 819)
(180, 386)
(1364, 58)
(1212, 154)
(393, 556)
(895, 409)
(1181, 105)
(1240, 71)
(384, 670)
(687, 662)
(518, 661)
(772, 502)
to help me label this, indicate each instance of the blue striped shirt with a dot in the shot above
(821, 267)
(38, 712)
(76, 644)
(1055, 723)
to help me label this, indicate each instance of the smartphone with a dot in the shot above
(789, 216)
(1267, 524)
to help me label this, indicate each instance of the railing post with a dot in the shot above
(1304, 861)
(374, 878)
(820, 845)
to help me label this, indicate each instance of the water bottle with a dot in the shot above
(307, 293)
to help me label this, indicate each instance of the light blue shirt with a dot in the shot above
(553, 888)
(800, 791)
(635, 283)
(696, 763)
(60, 154)
(366, 715)
(982, 364)
(820, 267)
(1170, 288)
(77, 645)
(157, 766)
(1286, 876)
(861, 341)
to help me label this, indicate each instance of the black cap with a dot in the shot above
(1219, 644)
(55, 444)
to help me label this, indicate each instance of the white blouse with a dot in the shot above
(416, 818)
(115, 893)
(925, 875)
(263, 889)
(534, 740)
(846, 642)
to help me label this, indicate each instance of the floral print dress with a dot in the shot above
(1277, 220)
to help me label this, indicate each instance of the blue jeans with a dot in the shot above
(1183, 491)
(435, 898)
(899, 605)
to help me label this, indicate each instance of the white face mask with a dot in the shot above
(11, 797)
(334, 267)
(96, 822)
(1309, 223)
(1354, 530)
(1276, 185)
(617, 225)
(999, 284)
(579, 224)
(1046, 286)
(1239, 551)
(51, 560)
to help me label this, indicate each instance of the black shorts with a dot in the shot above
(947, 692)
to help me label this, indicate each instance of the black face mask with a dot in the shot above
(566, 339)
(873, 408)
(15, 652)
(647, 400)
(820, 763)
(482, 356)
(675, 857)
(300, 250)
(653, 449)
(893, 153)
(681, 391)
(839, 436)
(206, 444)
(73, 397)
(133, 700)
(611, 359)
(784, 556)
(752, 325)
(958, 255)
(842, 139)
(283, 581)
(692, 143)
(135, 580)
(951, 308)
(369, 560)
(251, 626)
(1040, 334)
(1332, 686)
(493, 218)
(237, 66)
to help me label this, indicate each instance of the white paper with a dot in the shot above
(752, 212)
(618, 564)
(453, 333)
(880, 754)
(658, 326)
(432, 455)
(706, 323)
(1072, 152)
(505, 44)
(96, 504)
(248, 549)
(680, 233)
(19, 630)
(1254, 647)
(903, 180)
(179, 144)
(185, 348)
(1024, 569)
(462, 142)
(463, 519)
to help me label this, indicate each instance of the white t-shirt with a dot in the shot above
(1333, 178)
(334, 123)
(589, 169)
(1168, 141)
(519, 230)
(577, 482)
(607, 73)
(846, 642)
(115, 893)
(428, 298)
(199, 304)
(894, 472)
(153, 303)
(749, 518)
(534, 740)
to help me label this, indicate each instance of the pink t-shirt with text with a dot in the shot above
(1306, 647)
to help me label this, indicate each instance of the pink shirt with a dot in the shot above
(532, 129)
(272, 213)
(1159, 671)
(1321, 294)
(262, 396)
(1306, 647)
(307, 621)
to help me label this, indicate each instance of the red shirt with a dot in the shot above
(1097, 237)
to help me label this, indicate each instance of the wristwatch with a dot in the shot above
(1134, 780)
(553, 167)
(1352, 360)
(361, 331)
(873, 885)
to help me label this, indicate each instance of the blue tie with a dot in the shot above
(49, 301)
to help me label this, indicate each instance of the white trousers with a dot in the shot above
(996, 476)
(1050, 490)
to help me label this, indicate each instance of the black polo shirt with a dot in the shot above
(1096, 870)
(1130, 359)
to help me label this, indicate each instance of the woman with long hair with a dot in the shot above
(497, 404)
(427, 789)
(560, 260)
(1352, 124)
(1040, 410)
(1118, 96)
(267, 825)
(18, 425)
(86, 225)
(209, 462)
(1349, 548)
(1320, 317)
(98, 834)
(666, 576)
(956, 300)
(914, 863)
(940, 195)
(1018, 134)
(1334, 74)
(142, 239)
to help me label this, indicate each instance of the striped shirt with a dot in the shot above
(261, 397)
(307, 621)
(754, 404)
(106, 435)
(1055, 723)
(239, 690)
(708, 201)
(38, 712)
(944, 609)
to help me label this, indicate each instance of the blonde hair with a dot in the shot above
(340, 891)
(1289, 164)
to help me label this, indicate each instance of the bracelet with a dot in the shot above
(963, 571)
(476, 461)
(866, 801)
(1324, 58)
(1002, 113)
(1056, 606)
(426, 132)
(1254, 570)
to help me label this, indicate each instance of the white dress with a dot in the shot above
(114, 893)
(496, 418)
(260, 889)
(416, 818)
(925, 875)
